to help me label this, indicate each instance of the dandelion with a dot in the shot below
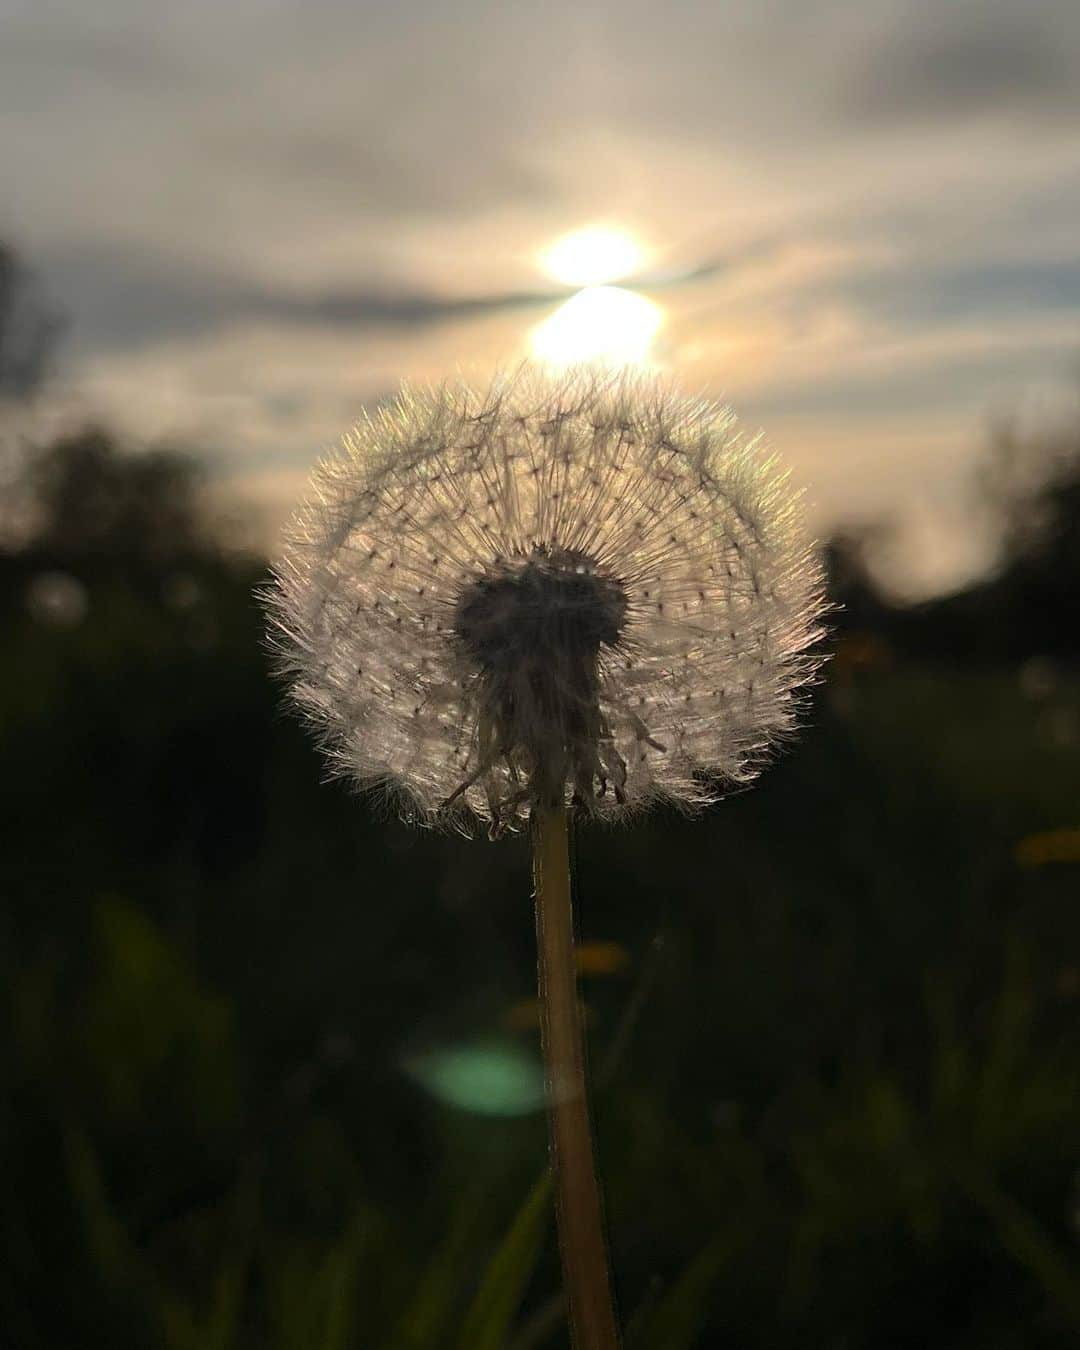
(580, 592)
(587, 588)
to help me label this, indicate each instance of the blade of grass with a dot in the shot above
(498, 1298)
(1030, 1245)
(432, 1308)
(223, 1331)
(675, 1320)
(341, 1274)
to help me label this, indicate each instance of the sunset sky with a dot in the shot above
(859, 222)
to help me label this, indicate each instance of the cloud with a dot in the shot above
(122, 299)
(44, 50)
(259, 214)
(956, 61)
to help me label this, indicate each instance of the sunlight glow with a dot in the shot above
(602, 324)
(592, 257)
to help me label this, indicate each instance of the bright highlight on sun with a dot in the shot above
(592, 257)
(601, 324)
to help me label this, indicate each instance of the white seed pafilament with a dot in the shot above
(582, 587)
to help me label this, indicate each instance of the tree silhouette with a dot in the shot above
(28, 329)
(96, 500)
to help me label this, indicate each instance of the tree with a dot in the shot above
(28, 329)
(95, 500)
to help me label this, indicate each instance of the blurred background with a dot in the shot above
(273, 1073)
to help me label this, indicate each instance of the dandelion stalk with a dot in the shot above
(577, 1194)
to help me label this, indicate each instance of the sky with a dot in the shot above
(857, 221)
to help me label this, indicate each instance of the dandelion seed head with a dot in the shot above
(584, 587)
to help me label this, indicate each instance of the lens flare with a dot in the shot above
(490, 1078)
(604, 325)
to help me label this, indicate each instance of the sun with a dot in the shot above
(592, 256)
(603, 325)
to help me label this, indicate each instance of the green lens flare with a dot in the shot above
(490, 1078)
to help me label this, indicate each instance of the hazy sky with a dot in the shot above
(260, 214)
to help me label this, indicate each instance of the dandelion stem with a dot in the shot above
(577, 1195)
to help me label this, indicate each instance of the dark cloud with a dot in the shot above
(956, 61)
(922, 385)
(123, 299)
(39, 54)
(368, 176)
(921, 292)
(990, 290)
